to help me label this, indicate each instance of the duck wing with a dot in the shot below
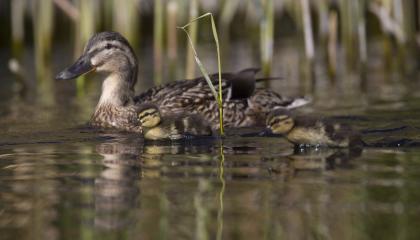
(240, 85)
(177, 96)
(242, 106)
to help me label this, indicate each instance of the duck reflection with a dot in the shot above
(116, 189)
(311, 159)
(203, 168)
(180, 157)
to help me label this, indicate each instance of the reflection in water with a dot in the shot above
(221, 195)
(207, 173)
(119, 187)
(116, 189)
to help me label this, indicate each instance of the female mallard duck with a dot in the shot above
(303, 130)
(171, 127)
(110, 53)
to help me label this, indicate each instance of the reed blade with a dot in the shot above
(218, 97)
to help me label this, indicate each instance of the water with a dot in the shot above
(85, 184)
(62, 180)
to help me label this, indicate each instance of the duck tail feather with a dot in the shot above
(269, 79)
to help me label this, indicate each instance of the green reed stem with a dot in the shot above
(218, 97)
(267, 36)
(126, 19)
(158, 42)
(86, 26)
(18, 27)
(192, 30)
(219, 234)
(172, 42)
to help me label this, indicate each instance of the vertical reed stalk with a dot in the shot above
(202, 211)
(362, 42)
(171, 22)
(125, 19)
(267, 36)
(43, 27)
(322, 8)
(18, 34)
(219, 234)
(192, 31)
(164, 216)
(347, 27)
(418, 26)
(361, 31)
(18, 29)
(158, 42)
(332, 43)
(399, 19)
(228, 11)
(309, 45)
(84, 30)
(218, 97)
(108, 13)
(86, 25)
(307, 30)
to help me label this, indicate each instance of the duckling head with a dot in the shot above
(149, 115)
(280, 121)
(106, 52)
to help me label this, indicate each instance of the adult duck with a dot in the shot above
(111, 54)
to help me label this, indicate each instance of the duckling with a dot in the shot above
(302, 130)
(110, 53)
(173, 127)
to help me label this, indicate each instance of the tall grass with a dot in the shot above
(267, 36)
(43, 32)
(158, 42)
(345, 26)
(217, 97)
(219, 233)
(192, 32)
(85, 28)
(18, 29)
(171, 23)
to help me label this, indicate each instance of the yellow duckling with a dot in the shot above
(172, 127)
(302, 130)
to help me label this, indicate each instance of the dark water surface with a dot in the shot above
(61, 180)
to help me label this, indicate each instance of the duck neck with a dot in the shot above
(116, 91)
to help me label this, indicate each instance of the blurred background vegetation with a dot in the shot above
(311, 43)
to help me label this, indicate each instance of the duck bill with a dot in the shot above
(80, 67)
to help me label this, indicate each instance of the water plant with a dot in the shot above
(217, 96)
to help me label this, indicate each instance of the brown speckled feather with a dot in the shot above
(195, 96)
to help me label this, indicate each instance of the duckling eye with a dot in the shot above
(275, 121)
(108, 46)
(146, 113)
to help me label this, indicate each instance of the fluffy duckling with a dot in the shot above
(173, 127)
(302, 130)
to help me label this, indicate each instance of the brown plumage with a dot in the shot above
(110, 53)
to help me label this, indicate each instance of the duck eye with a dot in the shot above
(108, 46)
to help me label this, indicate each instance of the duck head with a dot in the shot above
(111, 54)
(149, 115)
(280, 121)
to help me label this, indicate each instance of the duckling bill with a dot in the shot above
(175, 127)
(312, 131)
